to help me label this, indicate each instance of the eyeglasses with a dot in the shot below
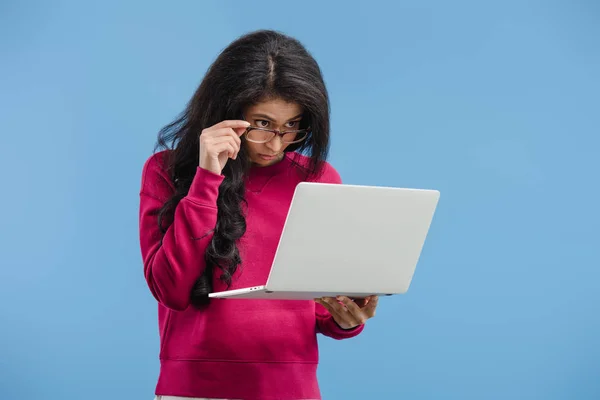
(263, 135)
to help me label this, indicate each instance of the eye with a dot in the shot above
(292, 124)
(261, 123)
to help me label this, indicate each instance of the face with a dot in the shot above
(271, 114)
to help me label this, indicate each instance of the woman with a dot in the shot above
(212, 207)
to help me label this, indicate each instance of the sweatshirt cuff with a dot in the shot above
(205, 187)
(341, 333)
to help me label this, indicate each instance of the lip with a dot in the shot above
(267, 157)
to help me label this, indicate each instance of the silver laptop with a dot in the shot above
(346, 240)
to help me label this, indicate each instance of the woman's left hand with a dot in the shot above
(350, 314)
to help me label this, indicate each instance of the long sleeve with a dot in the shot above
(327, 326)
(173, 262)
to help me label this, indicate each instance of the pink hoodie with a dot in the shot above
(233, 349)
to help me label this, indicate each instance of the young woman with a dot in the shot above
(212, 207)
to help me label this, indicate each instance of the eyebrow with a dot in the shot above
(269, 118)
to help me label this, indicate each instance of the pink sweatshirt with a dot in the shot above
(233, 349)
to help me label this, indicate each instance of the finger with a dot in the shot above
(351, 306)
(357, 313)
(341, 319)
(336, 303)
(222, 139)
(225, 147)
(230, 133)
(215, 131)
(226, 139)
(224, 132)
(343, 312)
(361, 302)
(234, 124)
(332, 306)
(326, 306)
(371, 306)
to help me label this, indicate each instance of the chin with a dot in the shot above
(258, 160)
(263, 163)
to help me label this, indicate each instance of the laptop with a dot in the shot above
(348, 240)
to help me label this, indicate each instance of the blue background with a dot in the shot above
(496, 105)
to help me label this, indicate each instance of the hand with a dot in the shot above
(347, 313)
(219, 143)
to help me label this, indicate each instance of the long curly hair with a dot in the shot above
(257, 66)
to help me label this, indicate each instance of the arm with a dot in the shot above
(173, 262)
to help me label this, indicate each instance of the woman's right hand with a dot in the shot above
(219, 143)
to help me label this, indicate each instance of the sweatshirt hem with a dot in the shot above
(238, 380)
(163, 359)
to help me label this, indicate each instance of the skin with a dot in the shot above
(271, 114)
(350, 313)
(222, 141)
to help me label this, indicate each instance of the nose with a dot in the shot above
(275, 144)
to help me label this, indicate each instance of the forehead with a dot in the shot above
(276, 109)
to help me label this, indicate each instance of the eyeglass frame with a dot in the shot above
(277, 132)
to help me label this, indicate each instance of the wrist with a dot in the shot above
(209, 169)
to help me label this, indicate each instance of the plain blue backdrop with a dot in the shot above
(496, 105)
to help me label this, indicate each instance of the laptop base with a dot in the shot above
(261, 292)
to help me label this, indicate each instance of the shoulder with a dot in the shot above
(156, 181)
(329, 174)
(326, 172)
(156, 165)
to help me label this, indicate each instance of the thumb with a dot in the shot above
(372, 302)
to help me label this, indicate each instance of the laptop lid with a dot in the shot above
(352, 239)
